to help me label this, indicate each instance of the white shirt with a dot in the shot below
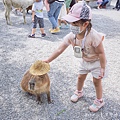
(38, 8)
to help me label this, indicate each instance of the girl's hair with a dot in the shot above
(82, 21)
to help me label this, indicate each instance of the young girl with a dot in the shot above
(37, 17)
(87, 44)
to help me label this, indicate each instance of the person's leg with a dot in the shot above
(64, 22)
(80, 82)
(32, 35)
(59, 23)
(53, 8)
(78, 93)
(95, 69)
(57, 12)
(98, 87)
(118, 6)
(104, 3)
(42, 30)
(41, 26)
(98, 102)
(33, 31)
(117, 3)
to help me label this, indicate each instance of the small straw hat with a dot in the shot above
(39, 68)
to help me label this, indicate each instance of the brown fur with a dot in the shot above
(29, 8)
(42, 85)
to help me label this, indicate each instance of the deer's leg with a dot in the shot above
(24, 14)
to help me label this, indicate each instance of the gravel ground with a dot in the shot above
(18, 52)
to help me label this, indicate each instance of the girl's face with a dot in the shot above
(78, 27)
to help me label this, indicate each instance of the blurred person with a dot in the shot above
(103, 4)
(53, 11)
(99, 2)
(62, 13)
(72, 3)
(67, 3)
(117, 6)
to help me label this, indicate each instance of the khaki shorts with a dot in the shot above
(63, 12)
(93, 67)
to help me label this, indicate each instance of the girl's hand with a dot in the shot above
(102, 73)
(46, 61)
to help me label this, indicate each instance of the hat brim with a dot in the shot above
(70, 18)
(45, 69)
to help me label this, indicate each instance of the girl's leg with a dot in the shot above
(80, 82)
(78, 93)
(98, 103)
(98, 87)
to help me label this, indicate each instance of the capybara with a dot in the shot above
(36, 80)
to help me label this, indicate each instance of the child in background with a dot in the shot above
(102, 3)
(37, 17)
(99, 2)
(87, 44)
(62, 13)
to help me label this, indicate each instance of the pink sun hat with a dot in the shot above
(78, 11)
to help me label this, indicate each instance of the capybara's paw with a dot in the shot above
(39, 102)
(51, 102)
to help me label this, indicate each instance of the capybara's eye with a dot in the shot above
(41, 76)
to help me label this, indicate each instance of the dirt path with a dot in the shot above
(18, 52)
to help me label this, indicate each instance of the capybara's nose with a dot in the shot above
(31, 85)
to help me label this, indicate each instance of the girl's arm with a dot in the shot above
(56, 53)
(100, 50)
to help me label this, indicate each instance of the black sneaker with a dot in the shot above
(43, 35)
(31, 36)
